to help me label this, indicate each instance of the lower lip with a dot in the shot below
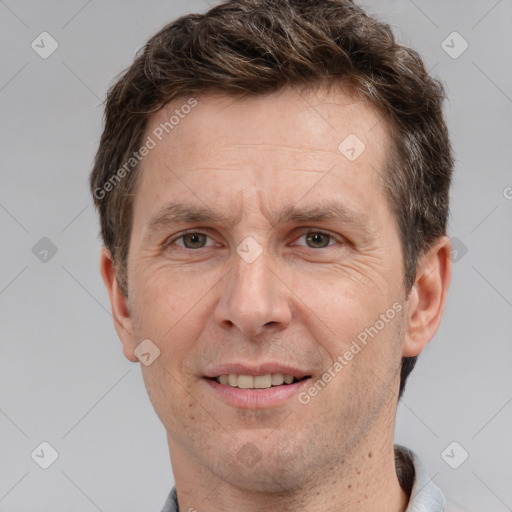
(256, 398)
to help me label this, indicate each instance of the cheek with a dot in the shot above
(170, 306)
(371, 358)
(365, 382)
(360, 327)
(169, 394)
(339, 308)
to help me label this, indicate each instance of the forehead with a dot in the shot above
(274, 146)
(316, 120)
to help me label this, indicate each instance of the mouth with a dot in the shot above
(256, 388)
(257, 382)
(254, 385)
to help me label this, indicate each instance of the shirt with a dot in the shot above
(424, 495)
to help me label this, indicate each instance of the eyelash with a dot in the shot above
(305, 232)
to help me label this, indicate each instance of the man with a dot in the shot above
(273, 183)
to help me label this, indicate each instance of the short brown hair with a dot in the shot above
(261, 46)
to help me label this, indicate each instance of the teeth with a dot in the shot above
(258, 382)
(245, 381)
(277, 379)
(263, 381)
(288, 379)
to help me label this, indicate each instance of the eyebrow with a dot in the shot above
(184, 213)
(331, 211)
(334, 211)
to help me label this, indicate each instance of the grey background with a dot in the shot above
(63, 378)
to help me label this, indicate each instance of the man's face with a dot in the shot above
(258, 247)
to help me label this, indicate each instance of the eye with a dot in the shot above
(317, 239)
(192, 241)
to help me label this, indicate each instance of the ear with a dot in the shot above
(119, 303)
(427, 299)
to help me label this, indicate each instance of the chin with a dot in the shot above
(266, 467)
(267, 477)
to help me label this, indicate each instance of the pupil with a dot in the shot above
(318, 239)
(194, 240)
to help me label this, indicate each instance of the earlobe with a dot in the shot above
(427, 299)
(119, 304)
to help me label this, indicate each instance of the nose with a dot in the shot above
(254, 298)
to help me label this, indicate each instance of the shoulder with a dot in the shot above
(171, 504)
(424, 495)
(451, 507)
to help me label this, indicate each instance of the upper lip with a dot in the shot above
(255, 369)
